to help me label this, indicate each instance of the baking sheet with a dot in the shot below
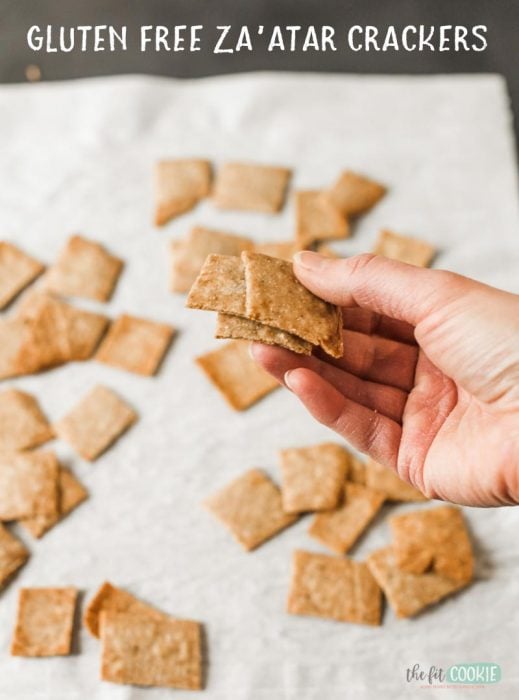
(77, 157)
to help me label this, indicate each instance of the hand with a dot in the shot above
(429, 381)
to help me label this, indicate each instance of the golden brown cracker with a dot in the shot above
(317, 219)
(278, 249)
(386, 481)
(404, 248)
(250, 186)
(22, 422)
(17, 271)
(13, 555)
(28, 484)
(220, 286)
(14, 336)
(237, 327)
(356, 470)
(179, 185)
(353, 194)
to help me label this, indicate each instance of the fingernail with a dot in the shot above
(309, 260)
(286, 379)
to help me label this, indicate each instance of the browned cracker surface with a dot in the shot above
(28, 484)
(339, 529)
(404, 248)
(140, 650)
(95, 422)
(312, 478)
(333, 587)
(220, 286)
(14, 336)
(13, 554)
(135, 344)
(317, 219)
(84, 269)
(250, 507)
(228, 326)
(235, 374)
(356, 470)
(436, 538)
(250, 186)
(45, 622)
(22, 423)
(278, 249)
(17, 270)
(179, 185)
(353, 194)
(385, 480)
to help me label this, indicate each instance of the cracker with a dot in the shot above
(109, 598)
(339, 529)
(13, 555)
(70, 494)
(317, 219)
(250, 507)
(140, 650)
(96, 422)
(235, 374)
(437, 539)
(135, 344)
(275, 297)
(335, 588)
(408, 594)
(15, 334)
(45, 622)
(237, 327)
(28, 484)
(179, 185)
(357, 470)
(251, 187)
(404, 248)
(84, 268)
(325, 250)
(386, 481)
(22, 423)
(17, 271)
(220, 286)
(312, 478)
(278, 249)
(353, 194)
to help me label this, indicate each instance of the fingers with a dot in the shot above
(369, 322)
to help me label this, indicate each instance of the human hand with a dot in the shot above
(429, 381)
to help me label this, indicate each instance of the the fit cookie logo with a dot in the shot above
(480, 673)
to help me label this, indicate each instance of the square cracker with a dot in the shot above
(220, 286)
(22, 423)
(312, 478)
(71, 493)
(135, 344)
(339, 529)
(179, 185)
(251, 186)
(353, 194)
(44, 622)
(109, 598)
(278, 249)
(140, 650)
(95, 422)
(28, 484)
(408, 594)
(404, 248)
(317, 219)
(385, 480)
(237, 327)
(235, 374)
(17, 270)
(13, 554)
(335, 588)
(250, 507)
(436, 539)
(275, 297)
(15, 334)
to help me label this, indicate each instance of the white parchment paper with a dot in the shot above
(77, 157)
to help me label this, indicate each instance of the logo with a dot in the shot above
(474, 674)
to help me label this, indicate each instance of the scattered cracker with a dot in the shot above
(317, 219)
(97, 421)
(339, 529)
(220, 286)
(44, 622)
(84, 268)
(17, 271)
(404, 248)
(13, 555)
(235, 374)
(353, 194)
(383, 479)
(325, 250)
(282, 249)
(237, 327)
(28, 484)
(135, 344)
(357, 470)
(312, 478)
(179, 184)
(250, 507)
(408, 594)
(435, 539)
(139, 650)
(275, 297)
(15, 334)
(250, 186)
(22, 423)
(336, 588)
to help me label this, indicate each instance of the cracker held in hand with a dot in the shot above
(354, 194)
(317, 219)
(13, 555)
(237, 377)
(28, 484)
(17, 271)
(179, 186)
(96, 422)
(140, 650)
(435, 539)
(135, 344)
(251, 187)
(45, 622)
(404, 248)
(250, 507)
(84, 269)
(312, 478)
(335, 588)
(385, 480)
(339, 529)
(22, 423)
(237, 327)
